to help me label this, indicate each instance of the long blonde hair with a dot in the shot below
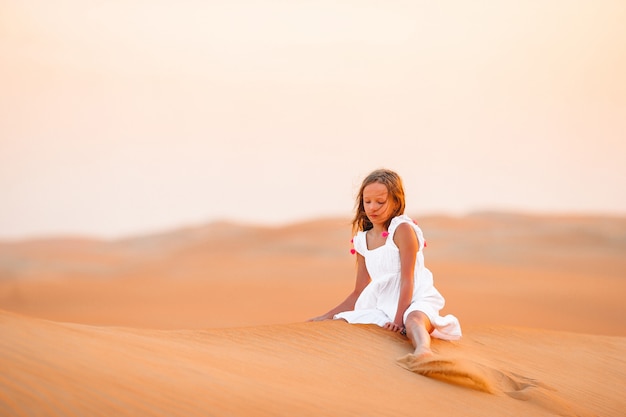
(393, 182)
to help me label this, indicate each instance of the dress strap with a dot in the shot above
(397, 221)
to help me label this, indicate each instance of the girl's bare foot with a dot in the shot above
(414, 361)
(422, 353)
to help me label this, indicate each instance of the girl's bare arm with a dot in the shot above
(406, 240)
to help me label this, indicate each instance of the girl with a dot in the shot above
(393, 287)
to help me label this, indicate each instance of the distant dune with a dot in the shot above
(560, 273)
(210, 320)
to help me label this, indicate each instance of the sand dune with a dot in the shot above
(210, 320)
(328, 368)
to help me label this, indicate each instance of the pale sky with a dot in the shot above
(127, 116)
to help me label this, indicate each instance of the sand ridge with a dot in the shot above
(327, 368)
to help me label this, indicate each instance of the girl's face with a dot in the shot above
(377, 203)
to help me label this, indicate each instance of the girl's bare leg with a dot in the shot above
(418, 329)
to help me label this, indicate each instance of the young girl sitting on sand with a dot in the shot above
(393, 287)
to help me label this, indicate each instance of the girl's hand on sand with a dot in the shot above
(319, 318)
(393, 327)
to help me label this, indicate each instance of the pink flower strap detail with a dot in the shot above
(352, 251)
(385, 234)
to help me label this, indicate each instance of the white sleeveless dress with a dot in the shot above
(378, 302)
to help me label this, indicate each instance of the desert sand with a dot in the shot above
(211, 320)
